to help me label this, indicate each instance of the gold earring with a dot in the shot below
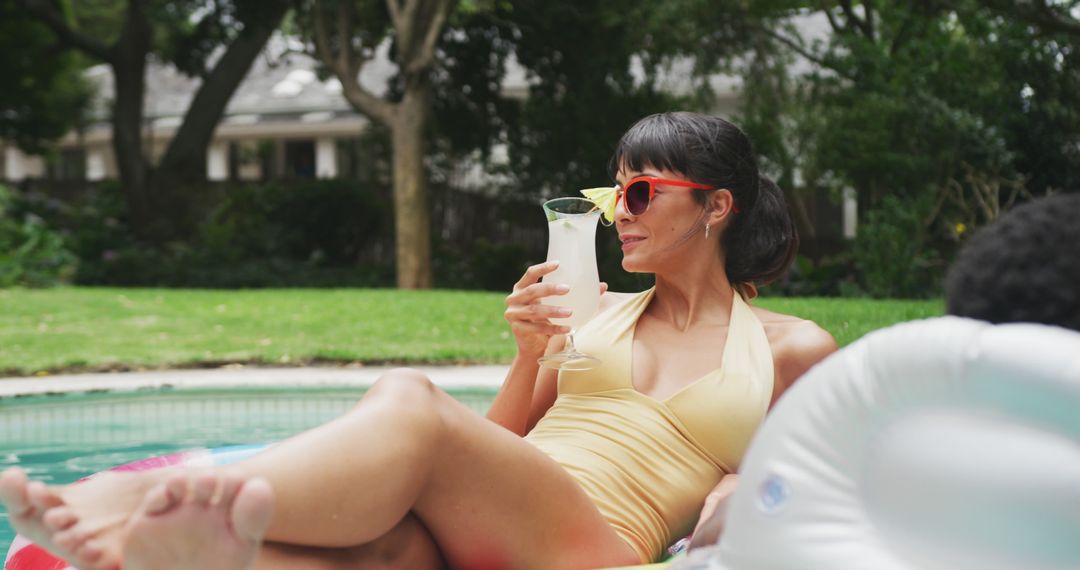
(706, 231)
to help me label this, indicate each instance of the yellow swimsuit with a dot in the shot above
(649, 464)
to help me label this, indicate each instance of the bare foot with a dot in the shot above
(199, 521)
(26, 503)
(80, 523)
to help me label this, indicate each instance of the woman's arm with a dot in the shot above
(530, 390)
(526, 394)
(711, 522)
(527, 387)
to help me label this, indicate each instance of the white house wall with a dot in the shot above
(19, 166)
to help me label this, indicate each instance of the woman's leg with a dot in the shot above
(211, 520)
(408, 546)
(488, 497)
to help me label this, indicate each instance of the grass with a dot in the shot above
(66, 329)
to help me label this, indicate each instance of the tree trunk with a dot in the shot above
(412, 218)
(129, 76)
(185, 159)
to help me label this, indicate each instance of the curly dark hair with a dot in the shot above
(1024, 267)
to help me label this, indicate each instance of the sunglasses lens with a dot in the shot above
(637, 198)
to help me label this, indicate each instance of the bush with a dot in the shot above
(282, 234)
(31, 253)
(830, 276)
(894, 254)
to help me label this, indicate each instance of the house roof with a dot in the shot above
(283, 86)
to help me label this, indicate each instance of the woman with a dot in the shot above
(614, 462)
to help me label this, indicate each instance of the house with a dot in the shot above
(284, 121)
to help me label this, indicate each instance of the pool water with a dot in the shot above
(63, 437)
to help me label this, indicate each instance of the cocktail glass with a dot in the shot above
(572, 242)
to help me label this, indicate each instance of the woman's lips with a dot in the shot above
(629, 241)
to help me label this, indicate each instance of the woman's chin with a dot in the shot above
(631, 265)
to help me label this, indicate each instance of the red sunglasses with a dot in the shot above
(638, 192)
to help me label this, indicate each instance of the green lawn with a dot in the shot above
(99, 328)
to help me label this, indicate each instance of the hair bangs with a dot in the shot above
(654, 141)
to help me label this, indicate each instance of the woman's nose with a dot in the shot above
(621, 213)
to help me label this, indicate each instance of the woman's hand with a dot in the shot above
(711, 522)
(529, 319)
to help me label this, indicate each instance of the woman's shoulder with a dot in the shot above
(794, 335)
(796, 343)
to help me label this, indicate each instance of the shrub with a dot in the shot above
(282, 234)
(894, 253)
(31, 253)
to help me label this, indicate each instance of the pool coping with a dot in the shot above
(485, 377)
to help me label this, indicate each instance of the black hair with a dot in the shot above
(760, 240)
(1024, 267)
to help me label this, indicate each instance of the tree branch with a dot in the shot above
(901, 34)
(405, 27)
(344, 38)
(395, 12)
(799, 49)
(1055, 20)
(853, 19)
(833, 22)
(868, 12)
(322, 40)
(64, 32)
(422, 59)
(347, 73)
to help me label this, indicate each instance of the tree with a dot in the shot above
(47, 96)
(938, 114)
(124, 35)
(345, 36)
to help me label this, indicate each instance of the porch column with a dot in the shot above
(217, 161)
(851, 213)
(325, 158)
(95, 164)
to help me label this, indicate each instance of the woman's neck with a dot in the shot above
(693, 297)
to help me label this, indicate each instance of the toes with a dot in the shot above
(90, 553)
(93, 555)
(158, 500)
(71, 539)
(227, 490)
(253, 509)
(203, 488)
(42, 497)
(177, 486)
(59, 518)
(13, 492)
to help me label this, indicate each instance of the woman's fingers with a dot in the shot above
(533, 293)
(536, 312)
(534, 273)
(546, 329)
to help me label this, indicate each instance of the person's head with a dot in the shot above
(750, 229)
(1024, 267)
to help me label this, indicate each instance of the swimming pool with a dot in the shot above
(60, 438)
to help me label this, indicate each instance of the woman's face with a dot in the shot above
(669, 233)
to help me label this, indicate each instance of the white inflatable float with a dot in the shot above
(939, 444)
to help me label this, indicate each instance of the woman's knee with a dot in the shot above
(404, 384)
(406, 393)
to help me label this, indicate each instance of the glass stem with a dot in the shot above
(570, 349)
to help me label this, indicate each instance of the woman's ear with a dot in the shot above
(720, 206)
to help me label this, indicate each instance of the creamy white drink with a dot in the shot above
(572, 242)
